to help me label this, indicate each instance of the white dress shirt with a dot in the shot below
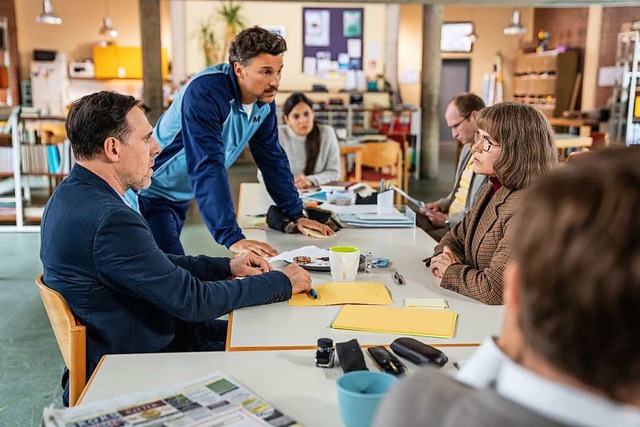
(560, 402)
(483, 367)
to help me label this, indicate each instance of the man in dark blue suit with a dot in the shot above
(101, 256)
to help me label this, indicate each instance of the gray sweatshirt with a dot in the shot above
(327, 167)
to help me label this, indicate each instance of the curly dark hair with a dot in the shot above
(94, 118)
(252, 42)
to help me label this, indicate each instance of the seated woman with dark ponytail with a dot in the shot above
(312, 149)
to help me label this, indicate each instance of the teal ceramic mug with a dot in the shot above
(360, 393)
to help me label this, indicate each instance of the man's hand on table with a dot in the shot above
(304, 224)
(253, 246)
(299, 278)
(437, 218)
(248, 264)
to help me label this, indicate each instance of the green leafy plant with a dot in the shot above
(230, 12)
(208, 41)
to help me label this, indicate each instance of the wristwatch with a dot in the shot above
(303, 214)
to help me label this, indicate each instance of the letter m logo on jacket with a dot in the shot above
(256, 119)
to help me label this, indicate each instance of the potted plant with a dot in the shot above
(230, 12)
(208, 42)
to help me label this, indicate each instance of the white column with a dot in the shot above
(591, 58)
(178, 41)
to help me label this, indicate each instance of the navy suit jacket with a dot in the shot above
(101, 256)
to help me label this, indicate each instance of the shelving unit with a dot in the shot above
(32, 158)
(625, 110)
(546, 80)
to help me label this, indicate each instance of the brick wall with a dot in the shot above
(567, 26)
(612, 19)
(7, 9)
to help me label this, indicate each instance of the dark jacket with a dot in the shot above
(101, 256)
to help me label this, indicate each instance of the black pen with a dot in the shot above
(398, 279)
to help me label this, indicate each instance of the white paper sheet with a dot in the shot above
(354, 48)
(310, 251)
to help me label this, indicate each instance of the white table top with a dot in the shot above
(280, 326)
(288, 380)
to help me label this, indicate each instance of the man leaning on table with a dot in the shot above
(568, 353)
(446, 212)
(101, 256)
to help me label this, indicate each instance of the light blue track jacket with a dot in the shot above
(202, 134)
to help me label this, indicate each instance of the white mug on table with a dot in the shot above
(344, 261)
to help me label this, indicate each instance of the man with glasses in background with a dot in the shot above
(439, 216)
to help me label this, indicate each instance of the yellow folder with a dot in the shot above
(334, 293)
(394, 320)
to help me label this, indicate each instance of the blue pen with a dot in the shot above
(313, 293)
(382, 185)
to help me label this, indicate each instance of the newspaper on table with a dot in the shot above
(214, 400)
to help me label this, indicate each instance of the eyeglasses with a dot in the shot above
(460, 122)
(485, 141)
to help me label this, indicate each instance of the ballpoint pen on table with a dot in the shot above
(313, 293)
(398, 279)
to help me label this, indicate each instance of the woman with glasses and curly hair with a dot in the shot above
(513, 146)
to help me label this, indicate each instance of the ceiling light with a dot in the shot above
(48, 16)
(107, 29)
(515, 27)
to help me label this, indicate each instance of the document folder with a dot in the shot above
(394, 320)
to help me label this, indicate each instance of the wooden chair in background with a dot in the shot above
(70, 335)
(402, 139)
(382, 160)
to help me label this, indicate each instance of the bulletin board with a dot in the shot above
(330, 34)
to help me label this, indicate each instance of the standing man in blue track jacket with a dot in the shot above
(221, 110)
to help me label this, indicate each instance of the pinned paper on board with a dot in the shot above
(317, 27)
(334, 293)
(354, 48)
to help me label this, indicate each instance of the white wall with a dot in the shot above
(289, 15)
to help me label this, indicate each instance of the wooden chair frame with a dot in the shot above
(70, 335)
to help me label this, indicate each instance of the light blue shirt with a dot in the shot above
(560, 402)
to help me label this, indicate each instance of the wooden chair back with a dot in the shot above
(384, 157)
(70, 335)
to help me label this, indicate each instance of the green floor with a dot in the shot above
(30, 362)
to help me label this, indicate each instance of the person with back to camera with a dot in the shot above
(568, 353)
(312, 148)
(100, 255)
(221, 110)
(514, 146)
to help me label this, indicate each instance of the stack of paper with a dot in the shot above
(393, 320)
(393, 220)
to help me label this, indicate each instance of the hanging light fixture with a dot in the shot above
(515, 27)
(48, 16)
(107, 29)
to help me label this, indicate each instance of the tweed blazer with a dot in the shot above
(481, 241)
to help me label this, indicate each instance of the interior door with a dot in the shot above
(455, 80)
